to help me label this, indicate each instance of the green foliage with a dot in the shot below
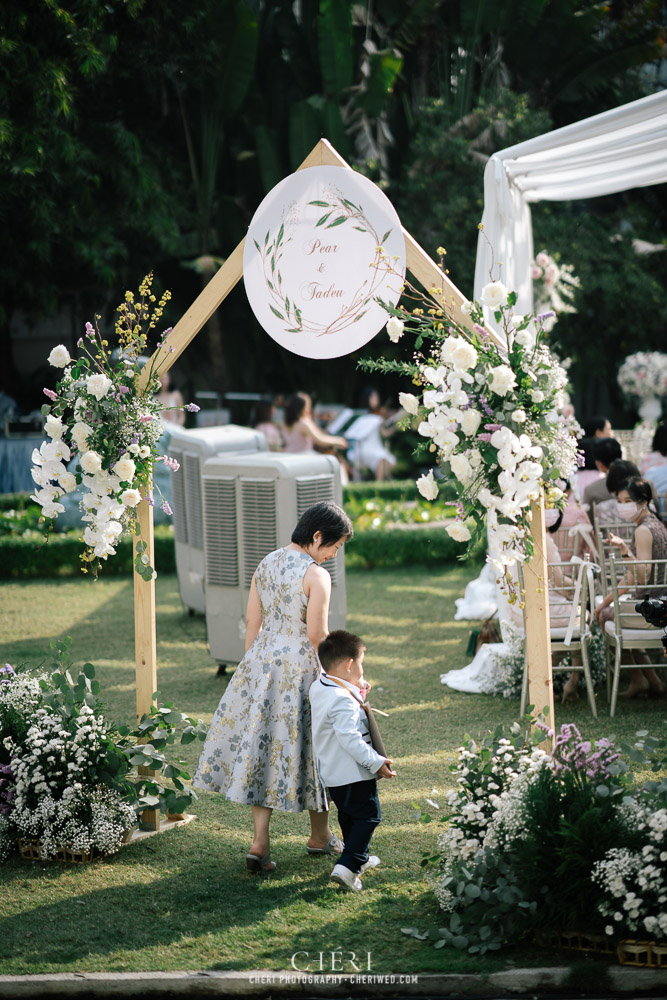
(125, 748)
(428, 545)
(28, 556)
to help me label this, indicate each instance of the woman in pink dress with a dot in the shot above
(300, 432)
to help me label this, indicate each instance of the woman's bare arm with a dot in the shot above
(253, 616)
(320, 437)
(317, 587)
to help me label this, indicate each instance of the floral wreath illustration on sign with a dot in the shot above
(338, 211)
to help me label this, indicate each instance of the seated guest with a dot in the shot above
(301, 433)
(657, 457)
(605, 451)
(597, 427)
(588, 473)
(634, 502)
(620, 471)
(265, 412)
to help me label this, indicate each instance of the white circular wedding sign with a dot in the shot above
(322, 247)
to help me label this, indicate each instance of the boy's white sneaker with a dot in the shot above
(346, 879)
(373, 862)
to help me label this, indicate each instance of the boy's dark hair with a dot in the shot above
(606, 451)
(327, 517)
(339, 646)
(620, 471)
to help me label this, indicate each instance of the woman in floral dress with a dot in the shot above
(258, 749)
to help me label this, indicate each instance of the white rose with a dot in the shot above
(144, 451)
(59, 356)
(98, 385)
(91, 462)
(470, 421)
(427, 486)
(494, 295)
(537, 395)
(68, 481)
(518, 416)
(125, 470)
(395, 328)
(133, 448)
(130, 498)
(466, 308)
(461, 468)
(54, 427)
(458, 531)
(409, 402)
(502, 380)
(459, 353)
(525, 337)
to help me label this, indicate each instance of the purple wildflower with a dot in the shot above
(149, 498)
(484, 437)
(146, 418)
(123, 388)
(192, 408)
(480, 330)
(492, 427)
(166, 508)
(79, 342)
(485, 406)
(545, 315)
(7, 669)
(90, 329)
(50, 394)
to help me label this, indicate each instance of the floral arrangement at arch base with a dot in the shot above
(69, 779)
(492, 417)
(98, 413)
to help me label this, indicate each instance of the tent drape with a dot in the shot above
(614, 151)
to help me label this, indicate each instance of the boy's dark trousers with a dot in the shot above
(359, 813)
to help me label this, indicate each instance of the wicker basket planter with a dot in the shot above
(643, 953)
(31, 850)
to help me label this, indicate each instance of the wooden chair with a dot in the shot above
(628, 630)
(570, 630)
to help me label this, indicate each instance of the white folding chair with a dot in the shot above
(628, 630)
(570, 630)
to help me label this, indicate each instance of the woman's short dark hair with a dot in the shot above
(326, 517)
(620, 471)
(659, 442)
(606, 451)
(638, 488)
(294, 408)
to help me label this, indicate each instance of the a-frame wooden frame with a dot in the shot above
(427, 272)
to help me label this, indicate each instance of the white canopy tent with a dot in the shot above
(614, 151)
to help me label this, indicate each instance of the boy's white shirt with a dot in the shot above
(341, 741)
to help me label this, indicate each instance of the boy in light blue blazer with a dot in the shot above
(346, 760)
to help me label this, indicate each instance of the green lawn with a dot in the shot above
(183, 900)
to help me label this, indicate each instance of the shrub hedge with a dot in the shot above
(28, 556)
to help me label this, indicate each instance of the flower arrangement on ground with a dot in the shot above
(549, 842)
(492, 416)
(68, 775)
(554, 287)
(98, 412)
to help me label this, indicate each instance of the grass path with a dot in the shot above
(183, 900)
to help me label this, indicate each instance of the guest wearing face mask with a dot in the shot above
(633, 501)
